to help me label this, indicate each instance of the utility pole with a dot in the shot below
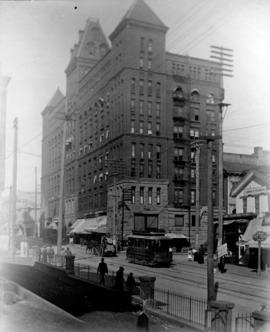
(14, 187)
(210, 231)
(197, 145)
(222, 107)
(224, 57)
(36, 223)
(67, 117)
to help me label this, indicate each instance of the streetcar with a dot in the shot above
(152, 249)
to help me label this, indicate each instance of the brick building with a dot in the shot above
(137, 109)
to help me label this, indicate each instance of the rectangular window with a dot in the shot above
(133, 150)
(141, 170)
(149, 108)
(157, 110)
(257, 204)
(141, 127)
(158, 196)
(178, 131)
(196, 114)
(132, 106)
(150, 152)
(178, 152)
(213, 132)
(193, 220)
(178, 220)
(141, 151)
(132, 127)
(133, 168)
(132, 87)
(149, 64)
(210, 116)
(150, 169)
(150, 46)
(158, 151)
(192, 197)
(191, 133)
(196, 133)
(149, 128)
(141, 87)
(141, 195)
(141, 62)
(158, 171)
(133, 189)
(149, 88)
(179, 196)
(157, 129)
(141, 106)
(150, 193)
(245, 205)
(178, 172)
(158, 89)
(192, 173)
(213, 158)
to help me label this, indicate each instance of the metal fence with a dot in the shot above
(180, 306)
(244, 322)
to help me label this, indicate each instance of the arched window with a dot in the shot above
(178, 94)
(195, 95)
(210, 98)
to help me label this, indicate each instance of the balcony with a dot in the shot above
(179, 179)
(178, 204)
(179, 113)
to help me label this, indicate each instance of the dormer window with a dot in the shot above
(91, 48)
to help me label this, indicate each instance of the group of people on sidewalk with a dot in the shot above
(198, 256)
(119, 278)
(45, 254)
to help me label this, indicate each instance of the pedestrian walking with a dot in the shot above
(102, 270)
(131, 283)
(190, 256)
(119, 278)
(38, 253)
(51, 254)
(68, 252)
(44, 255)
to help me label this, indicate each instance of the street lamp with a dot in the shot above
(223, 107)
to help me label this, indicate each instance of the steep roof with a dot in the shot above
(56, 98)
(140, 11)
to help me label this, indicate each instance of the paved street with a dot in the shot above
(239, 285)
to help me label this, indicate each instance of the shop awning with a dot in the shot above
(86, 226)
(175, 236)
(254, 226)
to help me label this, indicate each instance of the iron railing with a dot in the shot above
(180, 306)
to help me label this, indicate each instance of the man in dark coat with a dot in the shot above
(102, 270)
(119, 279)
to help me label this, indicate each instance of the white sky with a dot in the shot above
(35, 42)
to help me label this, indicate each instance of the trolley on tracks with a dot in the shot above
(152, 249)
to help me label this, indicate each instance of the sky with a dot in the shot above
(36, 38)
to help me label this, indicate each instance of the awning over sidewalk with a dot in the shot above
(86, 226)
(254, 226)
(175, 236)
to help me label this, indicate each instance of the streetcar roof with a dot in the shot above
(149, 237)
